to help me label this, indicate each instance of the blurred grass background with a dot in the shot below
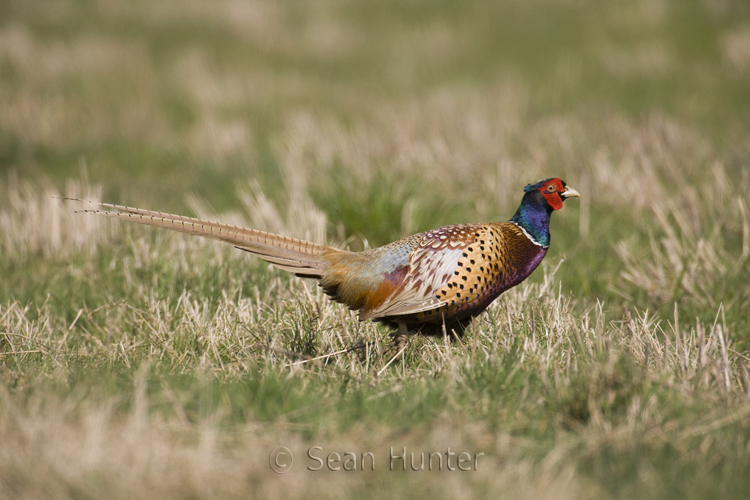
(360, 123)
(396, 117)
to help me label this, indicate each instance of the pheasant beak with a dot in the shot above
(570, 193)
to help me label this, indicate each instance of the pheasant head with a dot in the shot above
(538, 203)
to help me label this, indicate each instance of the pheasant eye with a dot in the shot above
(551, 188)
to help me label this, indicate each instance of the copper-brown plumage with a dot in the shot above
(428, 281)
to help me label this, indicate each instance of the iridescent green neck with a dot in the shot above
(533, 217)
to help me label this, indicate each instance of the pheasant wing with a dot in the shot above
(432, 265)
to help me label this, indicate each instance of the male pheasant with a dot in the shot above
(424, 283)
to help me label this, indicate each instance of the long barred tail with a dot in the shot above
(290, 254)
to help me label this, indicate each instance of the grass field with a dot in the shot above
(139, 364)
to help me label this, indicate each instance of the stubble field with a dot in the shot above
(136, 363)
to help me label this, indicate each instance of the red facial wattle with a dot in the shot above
(551, 192)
